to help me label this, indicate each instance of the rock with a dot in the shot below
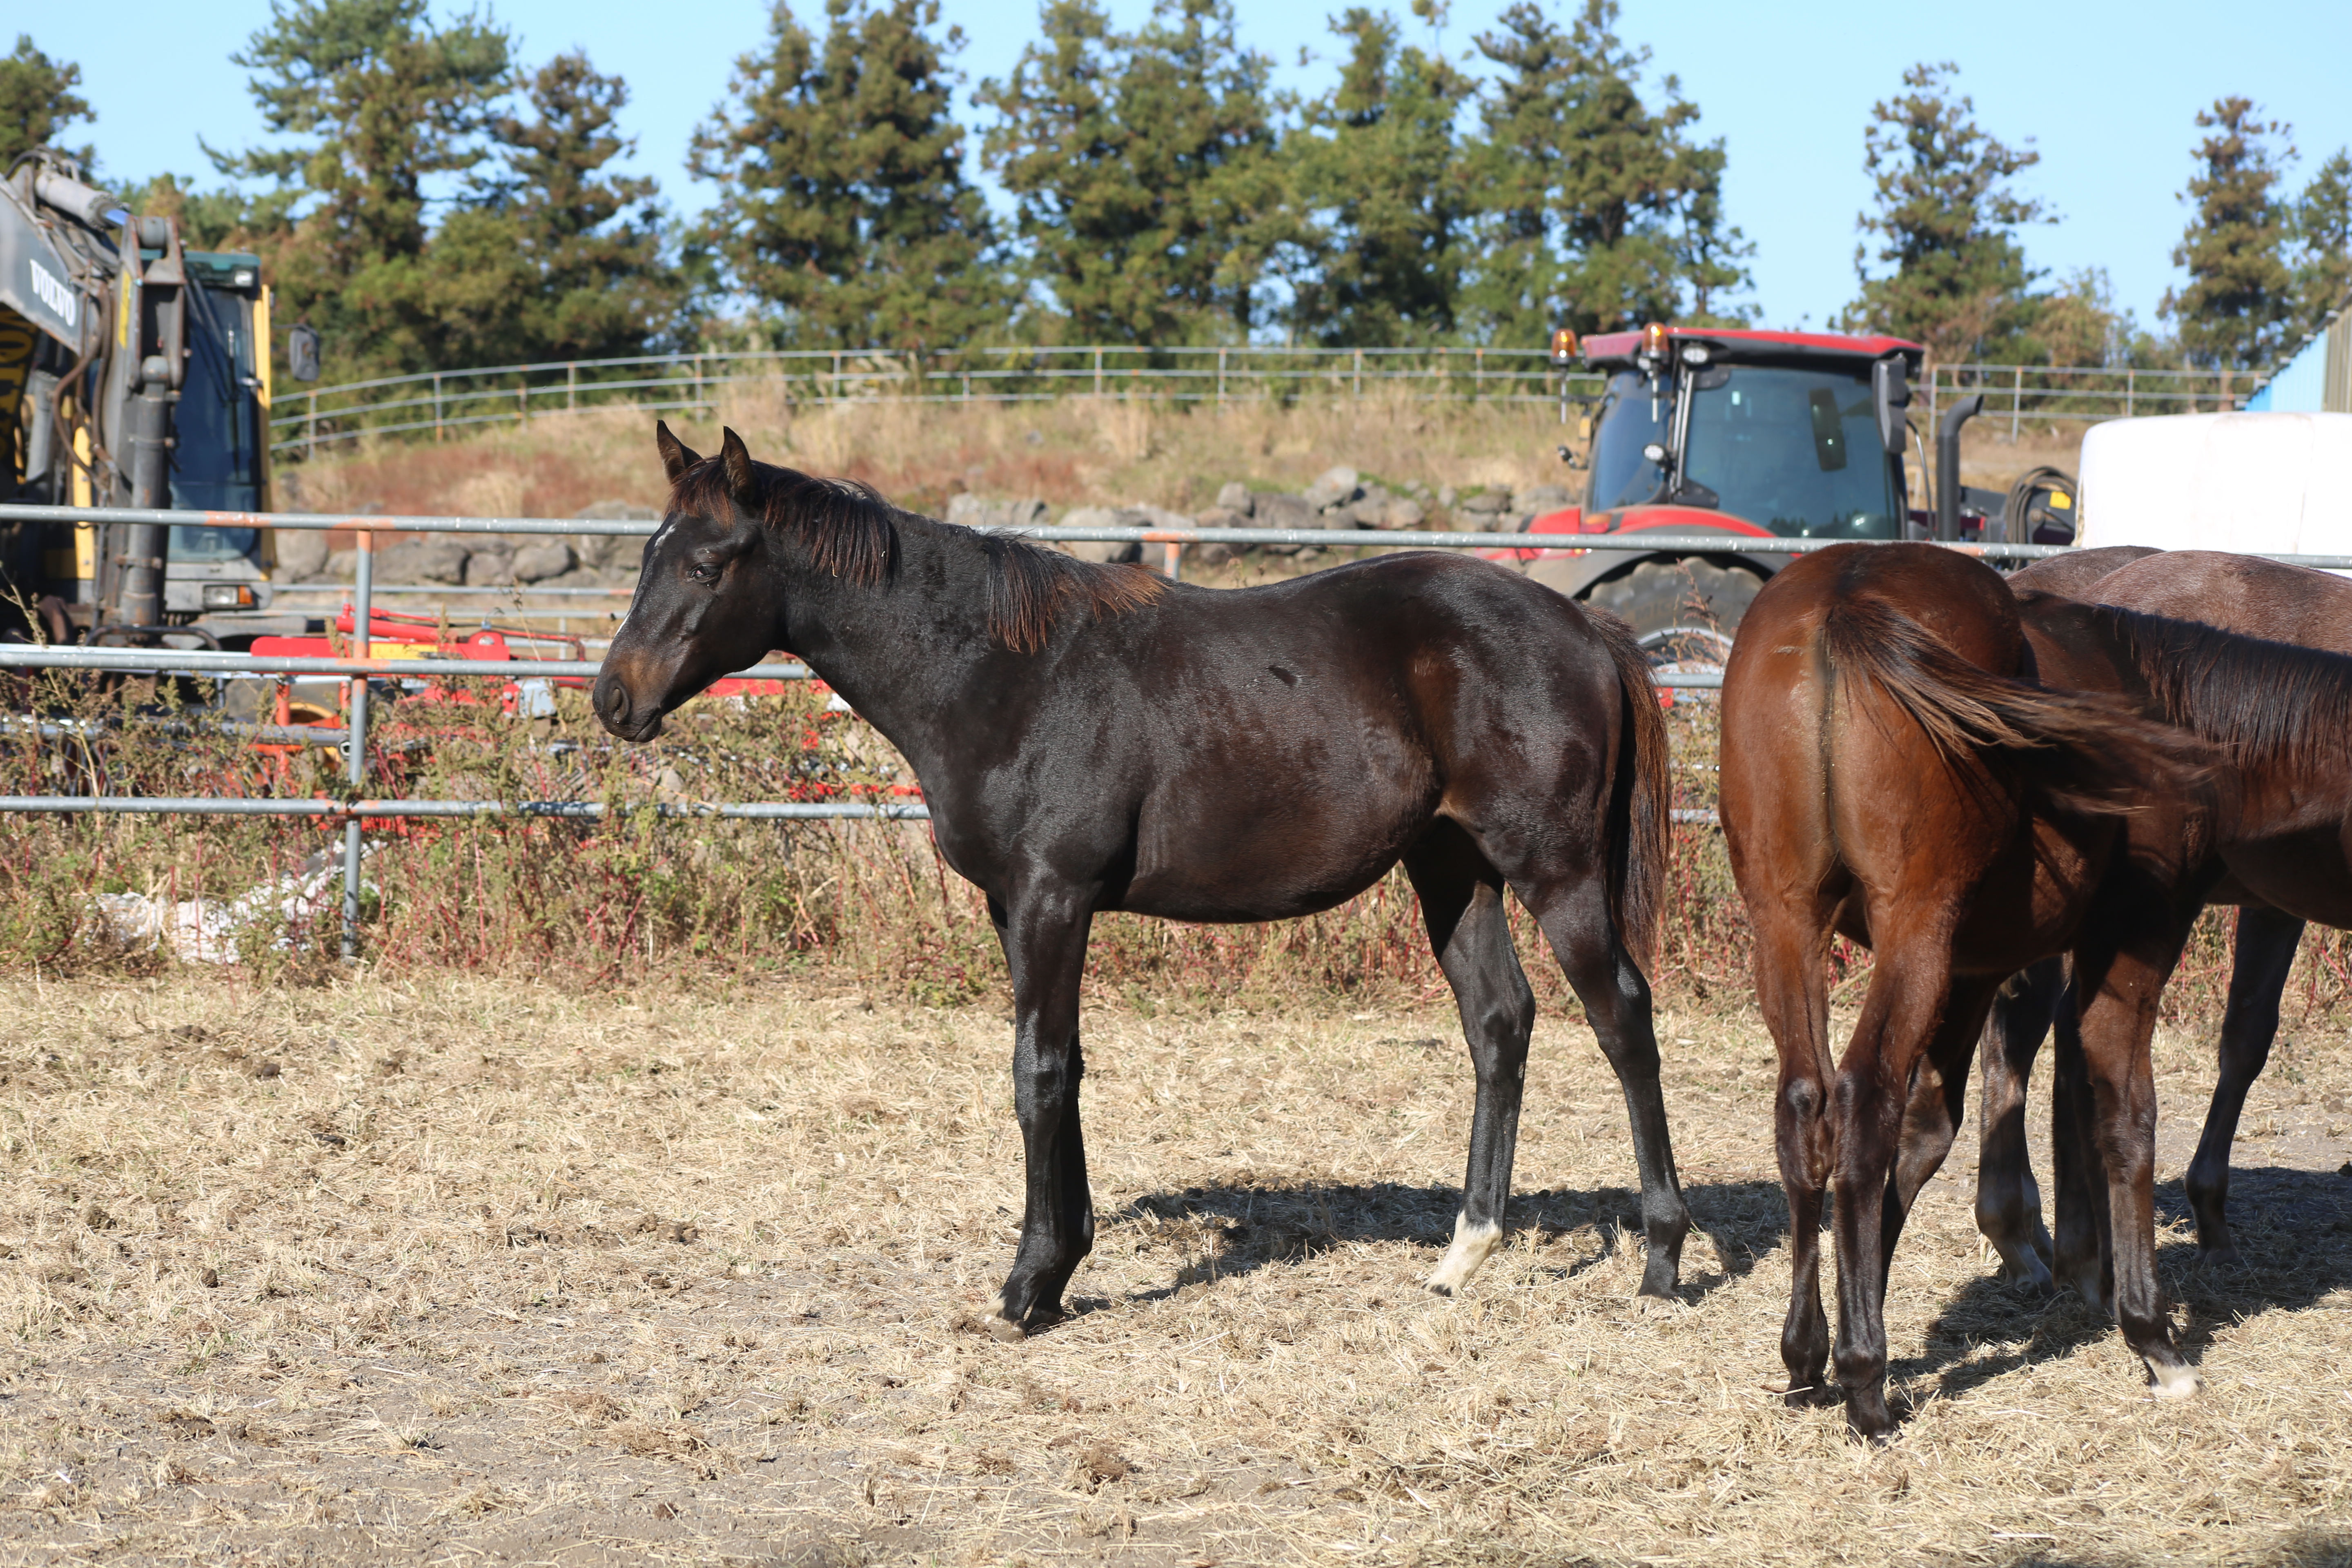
(1334, 486)
(1372, 512)
(1216, 552)
(613, 549)
(1544, 499)
(1285, 512)
(436, 558)
(1512, 521)
(1097, 550)
(342, 565)
(1153, 517)
(968, 510)
(1403, 511)
(548, 558)
(1446, 496)
(301, 554)
(1491, 501)
(491, 565)
(1236, 497)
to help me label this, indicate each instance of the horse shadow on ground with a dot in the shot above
(2294, 1233)
(1222, 1230)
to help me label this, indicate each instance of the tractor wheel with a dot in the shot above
(1682, 611)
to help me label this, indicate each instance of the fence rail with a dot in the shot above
(443, 401)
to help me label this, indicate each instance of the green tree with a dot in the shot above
(1145, 172)
(382, 102)
(1377, 172)
(37, 100)
(2322, 232)
(1947, 219)
(847, 208)
(2236, 310)
(1598, 210)
(555, 257)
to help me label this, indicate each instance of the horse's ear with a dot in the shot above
(741, 484)
(676, 455)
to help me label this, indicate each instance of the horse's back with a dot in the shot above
(2243, 594)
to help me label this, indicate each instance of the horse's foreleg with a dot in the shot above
(1616, 998)
(1043, 931)
(2118, 1003)
(2265, 951)
(1469, 929)
(2009, 1203)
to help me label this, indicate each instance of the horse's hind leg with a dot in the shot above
(2266, 944)
(1575, 917)
(2009, 1204)
(1044, 935)
(1469, 929)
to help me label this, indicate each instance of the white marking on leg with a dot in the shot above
(1473, 1243)
(2172, 1382)
(999, 1327)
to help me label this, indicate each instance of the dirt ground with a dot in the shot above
(483, 1272)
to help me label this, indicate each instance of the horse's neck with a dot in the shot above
(904, 651)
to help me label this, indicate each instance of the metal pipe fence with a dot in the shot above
(443, 401)
(359, 668)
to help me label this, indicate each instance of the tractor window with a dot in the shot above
(1622, 476)
(217, 460)
(1796, 451)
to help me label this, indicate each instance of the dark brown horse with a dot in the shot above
(2240, 593)
(1092, 738)
(1893, 770)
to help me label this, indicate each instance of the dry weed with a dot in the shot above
(675, 1272)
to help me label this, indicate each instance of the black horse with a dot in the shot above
(1093, 738)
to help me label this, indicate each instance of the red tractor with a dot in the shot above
(1750, 435)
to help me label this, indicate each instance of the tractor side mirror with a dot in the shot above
(302, 352)
(1890, 395)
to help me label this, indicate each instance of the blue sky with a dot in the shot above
(2107, 93)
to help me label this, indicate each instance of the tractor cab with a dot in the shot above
(1752, 436)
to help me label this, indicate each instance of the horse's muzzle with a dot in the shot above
(620, 714)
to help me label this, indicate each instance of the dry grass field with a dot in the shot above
(464, 1269)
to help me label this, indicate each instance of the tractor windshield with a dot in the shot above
(1629, 421)
(216, 461)
(1795, 450)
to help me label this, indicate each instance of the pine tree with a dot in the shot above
(2323, 241)
(1600, 211)
(2235, 312)
(1144, 168)
(554, 256)
(37, 100)
(1948, 221)
(847, 208)
(383, 101)
(1377, 172)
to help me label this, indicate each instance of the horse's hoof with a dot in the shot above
(2224, 1256)
(1005, 1331)
(1439, 1288)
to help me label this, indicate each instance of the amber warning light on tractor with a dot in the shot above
(1653, 338)
(1563, 346)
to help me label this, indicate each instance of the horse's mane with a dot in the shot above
(2260, 702)
(849, 530)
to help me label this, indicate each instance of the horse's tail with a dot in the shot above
(2077, 750)
(1641, 799)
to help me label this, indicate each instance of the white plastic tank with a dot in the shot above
(2261, 483)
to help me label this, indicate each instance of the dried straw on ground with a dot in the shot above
(458, 1268)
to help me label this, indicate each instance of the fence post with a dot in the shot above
(570, 387)
(1098, 372)
(355, 735)
(836, 375)
(523, 399)
(2016, 402)
(2130, 378)
(1933, 369)
(1221, 378)
(1359, 374)
(1478, 375)
(436, 406)
(312, 449)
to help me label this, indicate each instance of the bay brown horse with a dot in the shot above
(1893, 770)
(2253, 597)
(1092, 738)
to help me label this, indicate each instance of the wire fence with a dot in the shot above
(443, 402)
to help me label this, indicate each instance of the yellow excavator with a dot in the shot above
(133, 373)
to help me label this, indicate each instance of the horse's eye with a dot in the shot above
(703, 572)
